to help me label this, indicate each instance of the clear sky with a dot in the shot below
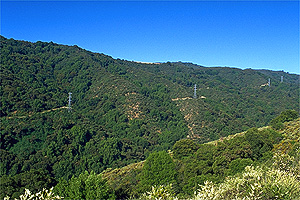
(242, 34)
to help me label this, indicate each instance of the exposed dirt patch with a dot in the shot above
(184, 98)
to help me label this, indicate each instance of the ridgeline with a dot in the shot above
(121, 110)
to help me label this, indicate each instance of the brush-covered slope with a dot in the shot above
(223, 161)
(259, 163)
(121, 110)
(116, 118)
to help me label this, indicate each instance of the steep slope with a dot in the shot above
(283, 154)
(121, 110)
(114, 120)
(229, 100)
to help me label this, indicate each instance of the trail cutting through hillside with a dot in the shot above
(184, 98)
(20, 117)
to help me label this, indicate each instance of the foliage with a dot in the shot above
(124, 180)
(184, 147)
(14, 186)
(238, 165)
(161, 192)
(280, 180)
(158, 169)
(284, 116)
(254, 183)
(123, 111)
(44, 194)
(85, 186)
(287, 153)
(262, 141)
(215, 161)
(236, 154)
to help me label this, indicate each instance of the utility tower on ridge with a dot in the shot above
(269, 82)
(195, 89)
(69, 105)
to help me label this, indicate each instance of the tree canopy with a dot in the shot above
(122, 111)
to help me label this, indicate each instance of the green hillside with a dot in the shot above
(222, 162)
(121, 110)
(259, 163)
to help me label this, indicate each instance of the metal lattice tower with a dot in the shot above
(69, 105)
(269, 82)
(195, 89)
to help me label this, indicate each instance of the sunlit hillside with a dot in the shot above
(123, 111)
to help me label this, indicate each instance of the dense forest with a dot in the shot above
(261, 163)
(125, 112)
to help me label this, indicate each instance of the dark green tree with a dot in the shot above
(159, 169)
(261, 142)
(34, 180)
(284, 116)
(184, 147)
(238, 165)
(85, 186)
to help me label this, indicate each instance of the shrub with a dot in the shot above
(44, 194)
(86, 186)
(284, 116)
(158, 169)
(184, 148)
(254, 183)
(238, 165)
(162, 192)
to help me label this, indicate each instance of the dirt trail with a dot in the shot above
(184, 98)
(19, 117)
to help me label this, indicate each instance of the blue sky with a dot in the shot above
(242, 34)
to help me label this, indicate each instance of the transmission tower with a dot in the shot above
(195, 89)
(269, 82)
(69, 105)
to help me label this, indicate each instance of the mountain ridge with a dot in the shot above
(121, 110)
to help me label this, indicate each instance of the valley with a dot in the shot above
(123, 112)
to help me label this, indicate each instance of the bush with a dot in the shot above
(184, 147)
(254, 183)
(238, 165)
(44, 194)
(161, 192)
(158, 169)
(284, 116)
(86, 186)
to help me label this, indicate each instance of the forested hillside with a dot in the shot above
(121, 110)
(228, 168)
(260, 163)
